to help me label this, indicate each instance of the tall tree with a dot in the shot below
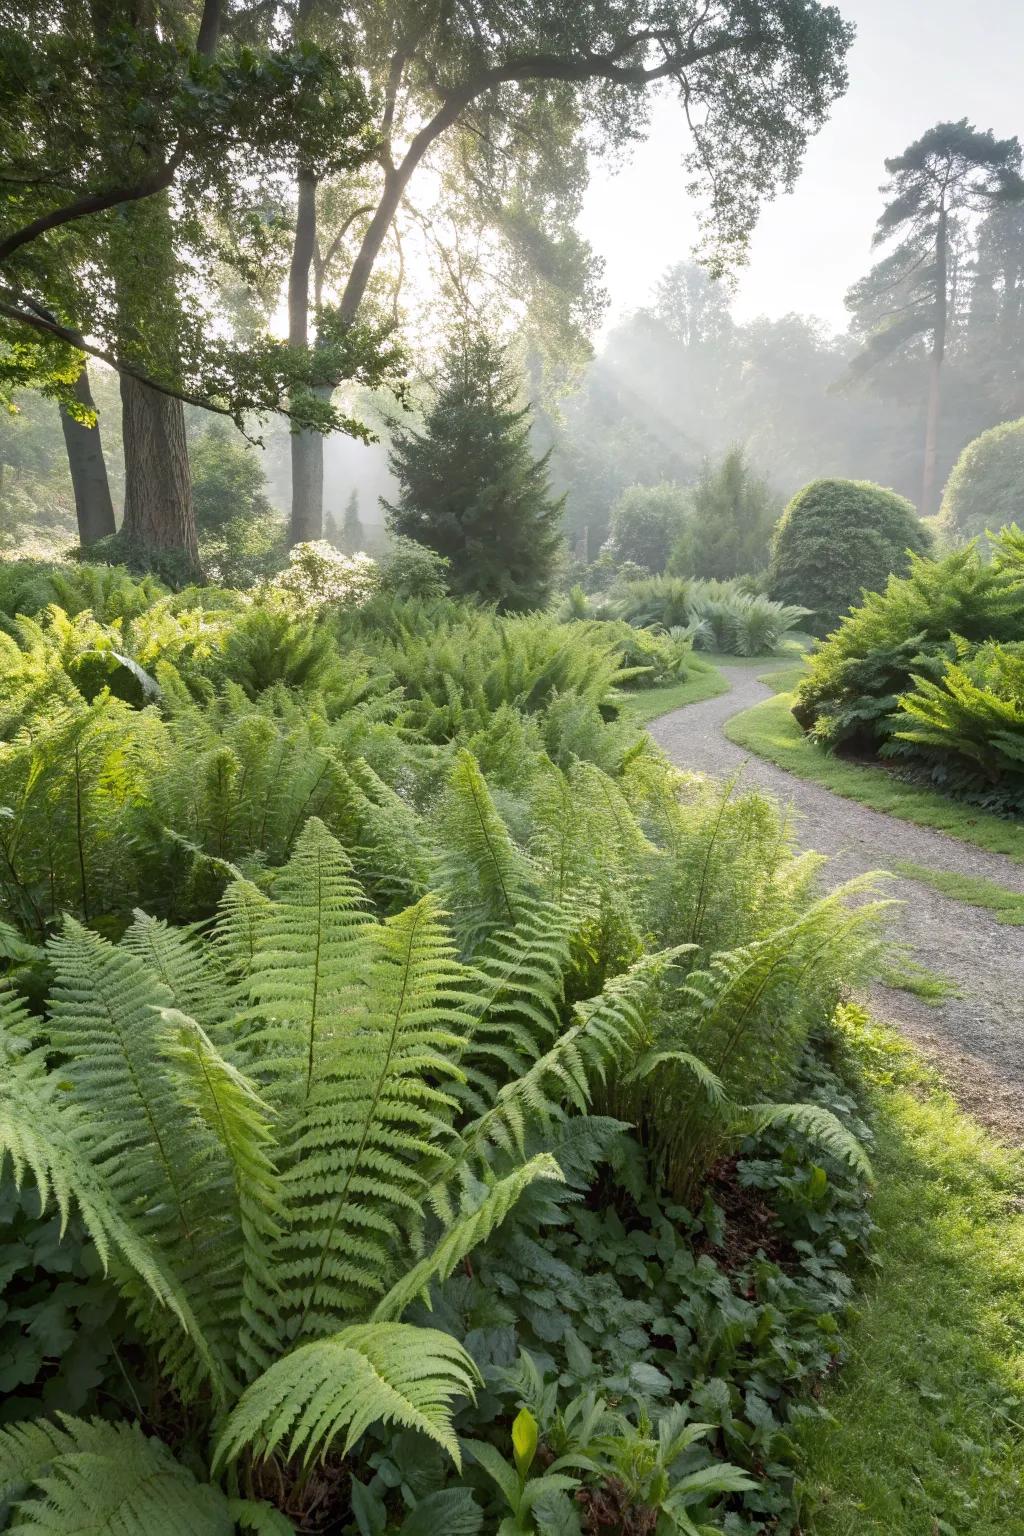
(471, 486)
(143, 152)
(908, 300)
(503, 103)
(93, 505)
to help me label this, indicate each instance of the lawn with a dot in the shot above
(703, 681)
(769, 730)
(926, 1436)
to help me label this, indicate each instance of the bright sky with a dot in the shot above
(914, 63)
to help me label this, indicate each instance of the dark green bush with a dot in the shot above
(857, 675)
(985, 489)
(838, 539)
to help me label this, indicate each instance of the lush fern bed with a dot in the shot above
(411, 1092)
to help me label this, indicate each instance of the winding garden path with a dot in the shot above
(977, 1036)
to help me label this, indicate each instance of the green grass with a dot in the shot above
(907, 976)
(972, 890)
(927, 1429)
(783, 679)
(769, 730)
(703, 682)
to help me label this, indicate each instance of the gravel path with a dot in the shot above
(978, 1036)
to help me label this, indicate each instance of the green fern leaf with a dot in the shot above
(819, 1125)
(369, 1373)
(91, 1478)
(307, 962)
(459, 1240)
(359, 1150)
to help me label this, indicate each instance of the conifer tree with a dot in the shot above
(471, 486)
(353, 535)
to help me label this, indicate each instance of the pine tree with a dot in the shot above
(353, 535)
(909, 299)
(471, 487)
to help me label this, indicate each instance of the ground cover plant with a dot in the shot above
(384, 1027)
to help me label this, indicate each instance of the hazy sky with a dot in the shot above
(913, 63)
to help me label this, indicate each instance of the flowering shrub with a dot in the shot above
(317, 574)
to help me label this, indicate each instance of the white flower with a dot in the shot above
(318, 573)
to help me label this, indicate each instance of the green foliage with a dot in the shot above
(985, 489)
(412, 570)
(471, 488)
(714, 615)
(729, 525)
(646, 523)
(838, 539)
(928, 673)
(241, 538)
(429, 998)
(109, 592)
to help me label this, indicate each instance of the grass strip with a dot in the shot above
(926, 1434)
(972, 890)
(769, 730)
(703, 681)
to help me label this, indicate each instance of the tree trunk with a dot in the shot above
(931, 437)
(307, 516)
(93, 505)
(158, 511)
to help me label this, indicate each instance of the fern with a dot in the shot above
(817, 1124)
(468, 1231)
(310, 949)
(483, 876)
(86, 1478)
(353, 1180)
(365, 1374)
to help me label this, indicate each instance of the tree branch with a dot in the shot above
(578, 67)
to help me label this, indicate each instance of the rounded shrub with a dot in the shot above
(837, 539)
(985, 488)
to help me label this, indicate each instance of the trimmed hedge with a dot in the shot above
(837, 539)
(985, 488)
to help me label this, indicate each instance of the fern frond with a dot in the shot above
(307, 963)
(356, 1154)
(45, 1134)
(610, 1029)
(176, 957)
(483, 875)
(468, 1232)
(141, 1137)
(241, 913)
(226, 1103)
(519, 996)
(709, 1084)
(92, 1478)
(370, 1373)
(812, 1121)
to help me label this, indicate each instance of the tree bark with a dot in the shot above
(307, 514)
(93, 506)
(158, 513)
(929, 475)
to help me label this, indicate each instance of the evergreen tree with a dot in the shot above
(353, 535)
(471, 487)
(728, 531)
(909, 299)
